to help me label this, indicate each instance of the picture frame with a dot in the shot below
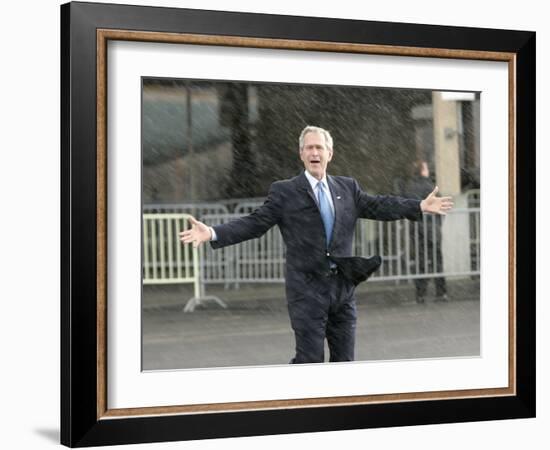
(86, 28)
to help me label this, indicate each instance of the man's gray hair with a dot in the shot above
(312, 129)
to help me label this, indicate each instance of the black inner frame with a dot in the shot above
(79, 423)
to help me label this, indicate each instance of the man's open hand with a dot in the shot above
(436, 205)
(197, 234)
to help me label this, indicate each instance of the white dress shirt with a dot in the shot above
(314, 182)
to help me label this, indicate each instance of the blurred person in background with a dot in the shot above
(425, 237)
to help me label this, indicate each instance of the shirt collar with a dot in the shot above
(313, 181)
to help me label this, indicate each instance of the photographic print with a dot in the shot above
(211, 151)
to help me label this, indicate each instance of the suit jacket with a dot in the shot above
(292, 206)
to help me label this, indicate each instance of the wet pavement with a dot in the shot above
(255, 328)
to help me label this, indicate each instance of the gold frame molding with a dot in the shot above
(105, 35)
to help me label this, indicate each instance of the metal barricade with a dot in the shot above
(197, 210)
(166, 260)
(408, 249)
(258, 260)
(435, 246)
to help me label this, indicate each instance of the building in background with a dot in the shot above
(208, 140)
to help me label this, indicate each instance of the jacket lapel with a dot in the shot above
(303, 185)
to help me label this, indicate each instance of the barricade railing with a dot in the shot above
(194, 209)
(166, 260)
(256, 260)
(435, 246)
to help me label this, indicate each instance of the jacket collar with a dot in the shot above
(303, 183)
(313, 182)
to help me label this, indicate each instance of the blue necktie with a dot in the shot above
(326, 211)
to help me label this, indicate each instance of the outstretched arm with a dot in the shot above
(238, 230)
(389, 207)
(436, 205)
(386, 207)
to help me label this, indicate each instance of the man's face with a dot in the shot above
(315, 154)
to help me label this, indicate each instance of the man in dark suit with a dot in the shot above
(316, 214)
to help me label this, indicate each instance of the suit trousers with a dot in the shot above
(325, 309)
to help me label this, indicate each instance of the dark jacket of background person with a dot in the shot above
(425, 236)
